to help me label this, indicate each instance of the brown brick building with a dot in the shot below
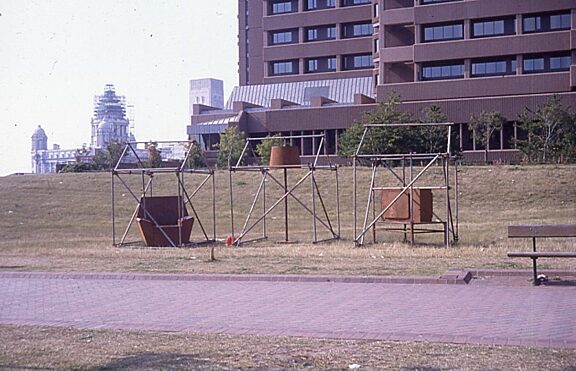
(316, 65)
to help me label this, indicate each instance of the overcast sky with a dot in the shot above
(55, 55)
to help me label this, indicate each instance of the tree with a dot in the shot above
(154, 157)
(79, 167)
(102, 159)
(195, 156)
(115, 149)
(433, 138)
(264, 148)
(348, 141)
(231, 146)
(378, 140)
(550, 133)
(484, 125)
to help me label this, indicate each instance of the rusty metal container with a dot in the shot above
(284, 156)
(399, 212)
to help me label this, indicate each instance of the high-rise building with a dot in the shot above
(304, 64)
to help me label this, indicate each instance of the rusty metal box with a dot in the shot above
(400, 211)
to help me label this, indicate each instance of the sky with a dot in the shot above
(56, 55)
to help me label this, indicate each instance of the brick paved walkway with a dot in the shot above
(474, 313)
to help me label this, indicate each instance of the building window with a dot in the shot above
(561, 63)
(358, 61)
(323, 64)
(284, 68)
(283, 37)
(320, 4)
(546, 22)
(494, 27)
(355, 2)
(547, 63)
(320, 33)
(453, 31)
(453, 70)
(282, 6)
(482, 68)
(357, 29)
(560, 21)
(376, 13)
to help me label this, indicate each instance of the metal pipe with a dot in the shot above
(319, 150)
(241, 155)
(213, 206)
(369, 201)
(396, 198)
(411, 205)
(408, 124)
(265, 175)
(121, 156)
(180, 184)
(286, 137)
(456, 200)
(198, 220)
(361, 142)
(313, 207)
(286, 204)
(251, 210)
(113, 212)
(231, 202)
(338, 202)
(273, 206)
(448, 212)
(354, 193)
(302, 203)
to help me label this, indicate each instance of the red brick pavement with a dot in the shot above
(328, 307)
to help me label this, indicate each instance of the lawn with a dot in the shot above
(62, 222)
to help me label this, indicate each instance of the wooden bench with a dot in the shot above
(541, 231)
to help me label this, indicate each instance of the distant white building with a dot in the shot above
(108, 123)
(46, 160)
(208, 92)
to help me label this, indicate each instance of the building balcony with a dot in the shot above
(312, 18)
(316, 49)
(398, 16)
(470, 9)
(482, 87)
(397, 54)
(493, 46)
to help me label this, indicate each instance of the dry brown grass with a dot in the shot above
(62, 222)
(23, 347)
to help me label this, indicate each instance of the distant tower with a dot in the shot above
(209, 92)
(39, 146)
(39, 140)
(109, 121)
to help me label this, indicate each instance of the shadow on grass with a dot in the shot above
(159, 361)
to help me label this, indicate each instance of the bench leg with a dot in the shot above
(535, 282)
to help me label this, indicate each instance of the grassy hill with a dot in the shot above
(63, 222)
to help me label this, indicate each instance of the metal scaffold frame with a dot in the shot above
(287, 193)
(407, 184)
(183, 190)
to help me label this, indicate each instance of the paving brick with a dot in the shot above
(314, 306)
